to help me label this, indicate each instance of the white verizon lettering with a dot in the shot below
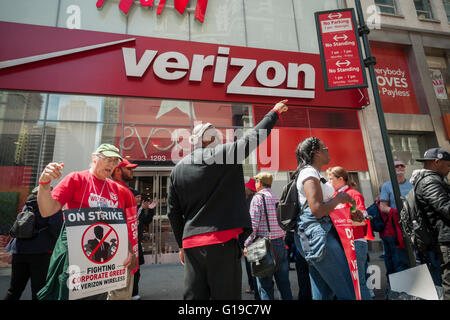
(175, 60)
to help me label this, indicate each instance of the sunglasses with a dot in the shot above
(115, 161)
(400, 166)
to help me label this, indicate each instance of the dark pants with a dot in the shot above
(25, 267)
(304, 283)
(445, 269)
(251, 280)
(137, 276)
(213, 272)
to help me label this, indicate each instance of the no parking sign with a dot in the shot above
(97, 240)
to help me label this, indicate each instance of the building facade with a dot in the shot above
(130, 94)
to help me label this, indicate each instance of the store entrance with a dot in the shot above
(158, 243)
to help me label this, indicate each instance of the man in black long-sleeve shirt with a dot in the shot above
(207, 209)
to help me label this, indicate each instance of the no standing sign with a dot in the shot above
(340, 52)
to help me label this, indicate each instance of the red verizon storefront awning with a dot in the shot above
(49, 59)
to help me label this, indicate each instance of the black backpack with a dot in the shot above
(377, 223)
(288, 208)
(25, 225)
(415, 223)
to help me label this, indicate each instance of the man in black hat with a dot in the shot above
(433, 199)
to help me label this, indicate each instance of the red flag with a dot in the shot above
(180, 5)
(146, 3)
(200, 10)
(125, 5)
(161, 5)
(343, 224)
(100, 3)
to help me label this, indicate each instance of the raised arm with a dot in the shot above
(241, 149)
(47, 205)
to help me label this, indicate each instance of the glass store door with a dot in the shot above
(158, 243)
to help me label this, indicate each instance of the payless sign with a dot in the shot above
(342, 64)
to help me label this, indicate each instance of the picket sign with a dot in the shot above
(343, 224)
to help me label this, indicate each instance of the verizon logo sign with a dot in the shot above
(173, 65)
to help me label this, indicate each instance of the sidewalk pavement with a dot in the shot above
(165, 281)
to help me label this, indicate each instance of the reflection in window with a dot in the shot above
(154, 145)
(387, 6)
(408, 148)
(423, 9)
(20, 105)
(83, 108)
(447, 9)
(139, 110)
(20, 142)
(68, 128)
(74, 142)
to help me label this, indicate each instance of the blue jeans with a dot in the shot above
(395, 259)
(265, 285)
(361, 249)
(329, 275)
(433, 264)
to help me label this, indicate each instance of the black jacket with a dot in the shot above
(432, 195)
(207, 196)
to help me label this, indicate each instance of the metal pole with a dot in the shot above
(370, 62)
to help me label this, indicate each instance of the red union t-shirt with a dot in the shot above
(81, 189)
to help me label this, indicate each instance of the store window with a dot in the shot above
(408, 148)
(447, 9)
(22, 105)
(387, 6)
(440, 77)
(38, 128)
(20, 145)
(423, 9)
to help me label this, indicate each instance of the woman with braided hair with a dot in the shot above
(316, 237)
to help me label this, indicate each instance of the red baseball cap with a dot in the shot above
(251, 184)
(127, 164)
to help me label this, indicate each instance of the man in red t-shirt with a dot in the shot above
(121, 174)
(87, 189)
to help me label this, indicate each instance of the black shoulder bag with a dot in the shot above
(261, 254)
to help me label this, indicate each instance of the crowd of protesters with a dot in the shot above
(215, 216)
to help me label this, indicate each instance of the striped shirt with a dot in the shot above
(258, 217)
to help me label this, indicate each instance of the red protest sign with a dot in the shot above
(343, 224)
(340, 51)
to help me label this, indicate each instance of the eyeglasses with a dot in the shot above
(113, 160)
(400, 166)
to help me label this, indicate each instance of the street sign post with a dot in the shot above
(340, 51)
